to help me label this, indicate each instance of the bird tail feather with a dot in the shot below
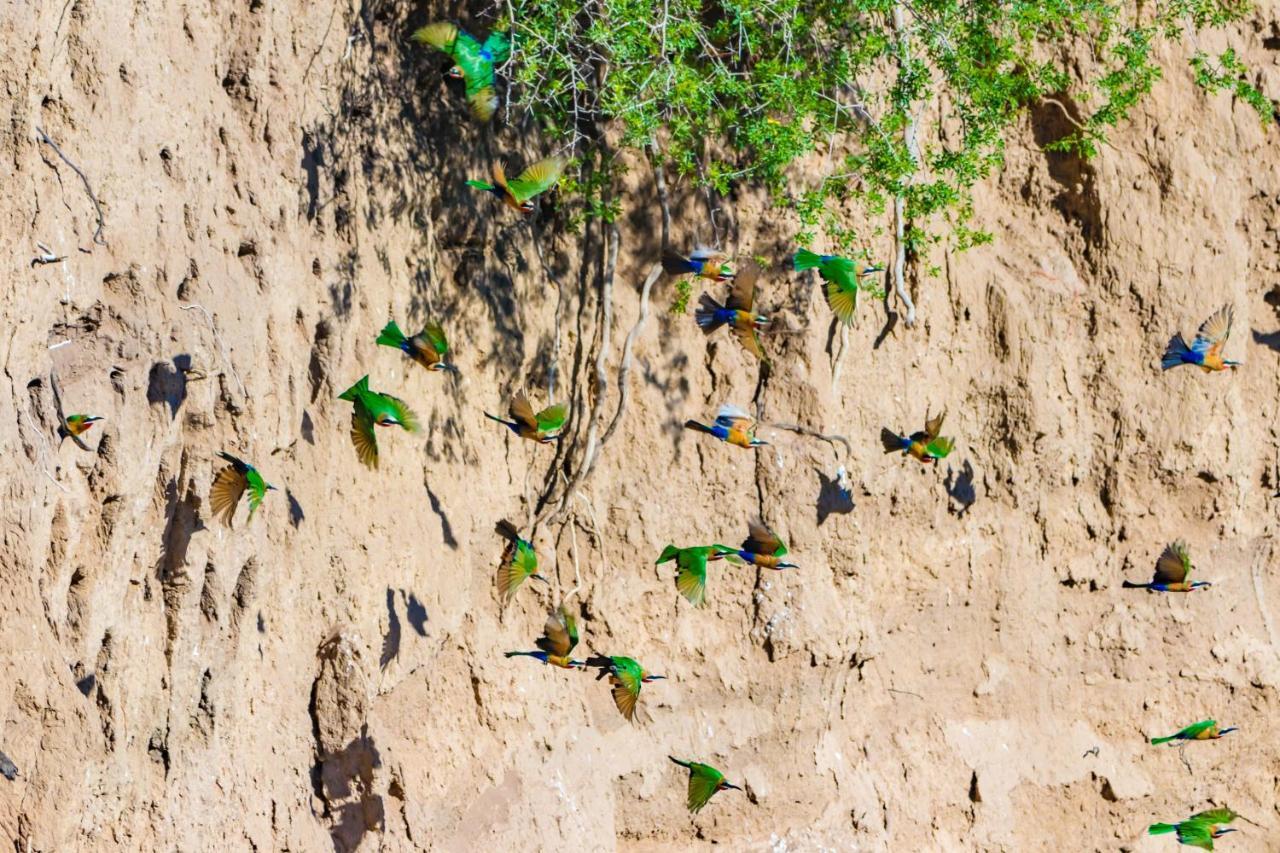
(507, 530)
(805, 260)
(1156, 741)
(668, 553)
(391, 336)
(361, 387)
(498, 419)
(678, 761)
(1132, 585)
(706, 314)
(481, 185)
(697, 427)
(1174, 352)
(891, 440)
(1161, 828)
(674, 264)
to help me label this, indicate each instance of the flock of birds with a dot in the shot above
(475, 65)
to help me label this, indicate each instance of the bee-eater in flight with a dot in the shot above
(370, 409)
(519, 562)
(1172, 571)
(703, 263)
(1199, 830)
(429, 347)
(842, 277)
(926, 446)
(474, 62)
(1206, 350)
(518, 192)
(232, 482)
(732, 425)
(541, 427)
(738, 312)
(626, 677)
(559, 637)
(1203, 730)
(704, 783)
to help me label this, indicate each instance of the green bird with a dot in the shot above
(691, 568)
(518, 193)
(842, 278)
(535, 427)
(559, 637)
(927, 446)
(704, 782)
(76, 426)
(473, 62)
(231, 483)
(519, 562)
(429, 347)
(626, 677)
(1203, 730)
(1199, 830)
(371, 409)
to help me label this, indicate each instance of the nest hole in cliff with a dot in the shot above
(1053, 119)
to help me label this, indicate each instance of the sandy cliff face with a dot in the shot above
(955, 665)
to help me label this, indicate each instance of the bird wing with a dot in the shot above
(538, 178)
(518, 562)
(731, 417)
(704, 781)
(499, 46)
(626, 691)
(404, 415)
(560, 633)
(742, 296)
(762, 540)
(691, 579)
(435, 336)
(483, 102)
(441, 35)
(552, 417)
(1174, 564)
(933, 426)
(749, 340)
(1213, 332)
(521, 412)
(366, 443)
(843, 299)
(1194, 833)
(257, 490)
(468, 53)
(1215, 816)
(940, 447)
(225, 493)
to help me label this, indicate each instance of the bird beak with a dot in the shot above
(1225, 831)
(1228, 729)
(787, 566)
(541, 578)
(648, 678)
(870, 270)
(729, 785)
(271, 488)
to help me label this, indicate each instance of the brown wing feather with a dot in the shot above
(624, 699)
(933, 426)
(750, 341)
(1170, 568)
(1217, 329)
(761, 540)
(742, 295)
(362, 437)
(522, 412)
(225, 493)
(556, 635)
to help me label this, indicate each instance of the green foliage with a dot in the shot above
(684, 292)
(838, 107)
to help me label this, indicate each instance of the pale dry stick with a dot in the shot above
(44, 458)
(813, 433)
(1261, 599)
(628, 348)
(839, 359)
(97, 207)
(226, 356)
(899, 203)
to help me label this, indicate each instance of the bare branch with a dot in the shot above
(97, 232)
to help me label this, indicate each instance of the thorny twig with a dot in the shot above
(97, 233)
(899, 203)
(226, 356)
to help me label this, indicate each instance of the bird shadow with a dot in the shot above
(182, 519)
(167, 383)
(959, 486)
(833, 498)
(296, 515)
(415, 612)
(347, 775)
(1270, 340)
(446, 529)
(390, 642)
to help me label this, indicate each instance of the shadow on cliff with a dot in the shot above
(1270, 340)
(345, 781)
(415, 613)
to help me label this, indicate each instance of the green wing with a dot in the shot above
(404, 415)
(841, 271)
(1195, 729)
(552, 417)
(499, 46)
(518, 562)
(538, 178)
(525, 558)
(691, 580)
(257, 490)
(1194, 833)
(704, 781)
(940, 447)
(560, 634)
(435, 336)
(842, 300)
(468, 54)
(762, 540)
(1215, 816)
(626, 686)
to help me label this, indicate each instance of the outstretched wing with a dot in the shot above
(225, 493)
(560, 634)
(843, 299)
(939, 447)
(521, 412)
(552, 417)
(691, 579)
(1174, 564)
(538, 178)
(626, 692)
(498, 45)
(483, 101)
(742, 295)
(1215, 816)
(1194, 833)
(731, 417)
(469, 55)
(366, 443)
(933, 426)
(1213, 332)
(750, 341)
(435, 336)
(762, 540)
(518, 562)
(441, 35)
(704, 781)
(404, 415)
